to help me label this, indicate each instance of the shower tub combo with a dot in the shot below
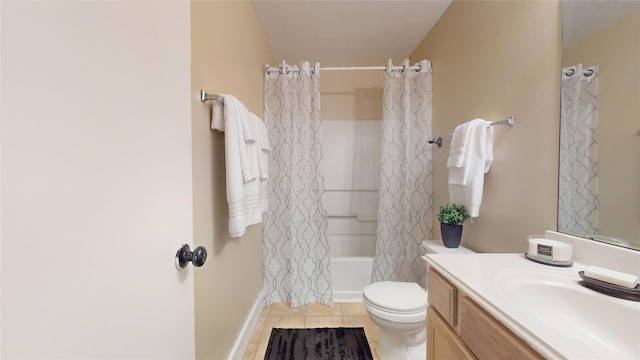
(351, 268)
(351, 180)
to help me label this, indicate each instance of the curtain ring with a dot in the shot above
(570, 72)
(286, 69)
(404, 68)
(419, 65)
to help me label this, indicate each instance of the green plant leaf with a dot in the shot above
(452, 214)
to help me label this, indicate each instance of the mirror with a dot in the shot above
(599, 177)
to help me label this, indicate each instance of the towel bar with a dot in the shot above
(511, 121)
(205, 97)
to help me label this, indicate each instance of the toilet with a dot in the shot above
(400, 310)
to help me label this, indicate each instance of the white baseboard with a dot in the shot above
(247, 330)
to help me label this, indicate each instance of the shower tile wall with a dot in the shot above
(351, 170)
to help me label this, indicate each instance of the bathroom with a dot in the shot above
(493, 60)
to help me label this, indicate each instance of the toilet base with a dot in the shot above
(397, 346)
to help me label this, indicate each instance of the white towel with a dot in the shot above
(457, 146)
(217, 115)
(264, 147)
(477, 161)
(236, 115)
(252, 170)
(261, 152)
(488, 154)
(462, 135)
(245, 190)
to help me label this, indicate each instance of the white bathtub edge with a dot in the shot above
(358, 268)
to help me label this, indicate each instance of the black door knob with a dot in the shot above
(197, 257)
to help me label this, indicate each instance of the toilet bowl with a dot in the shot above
(400, 310)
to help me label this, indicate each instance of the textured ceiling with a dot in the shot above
(347, 33)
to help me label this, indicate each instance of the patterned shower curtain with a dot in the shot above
(295, 245)
(578, 173)
(405, 208)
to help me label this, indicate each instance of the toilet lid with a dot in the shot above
(396, 296)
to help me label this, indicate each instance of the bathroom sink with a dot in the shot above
(600, 326)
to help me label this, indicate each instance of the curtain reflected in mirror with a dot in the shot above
(599, 175)
(578, 183)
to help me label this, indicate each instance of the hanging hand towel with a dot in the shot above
(217, 115)
(244, 188)
(488, 154)
(458, 173)
(457, 146)
(477, 161)
(229, 111)
(263, 148)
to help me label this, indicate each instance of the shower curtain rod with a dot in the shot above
(269, 69)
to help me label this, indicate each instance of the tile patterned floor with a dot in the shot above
(280, 315)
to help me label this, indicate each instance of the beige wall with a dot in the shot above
(616, 51)
(494, 59)
(229, 51)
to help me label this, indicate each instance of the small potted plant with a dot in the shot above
(451, 218)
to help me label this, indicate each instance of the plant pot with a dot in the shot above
(451, 235)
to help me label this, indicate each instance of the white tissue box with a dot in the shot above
(548, 249)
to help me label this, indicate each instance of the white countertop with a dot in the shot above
(478, 276)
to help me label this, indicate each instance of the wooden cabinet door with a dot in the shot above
(488, 338)
(442, 342)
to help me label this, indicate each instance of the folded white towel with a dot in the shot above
(264, 137)
(264, 147)
(249, 129)
(457, 146)
(217, 115)
(252, 169)
(466, 183)
(488, 154)
(217, 118)
(462, 136)
(246, 191)
(236, 115)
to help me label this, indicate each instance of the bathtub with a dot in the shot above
(351, 266)
(349, 275)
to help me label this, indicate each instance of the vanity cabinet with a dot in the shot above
(459, 328)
